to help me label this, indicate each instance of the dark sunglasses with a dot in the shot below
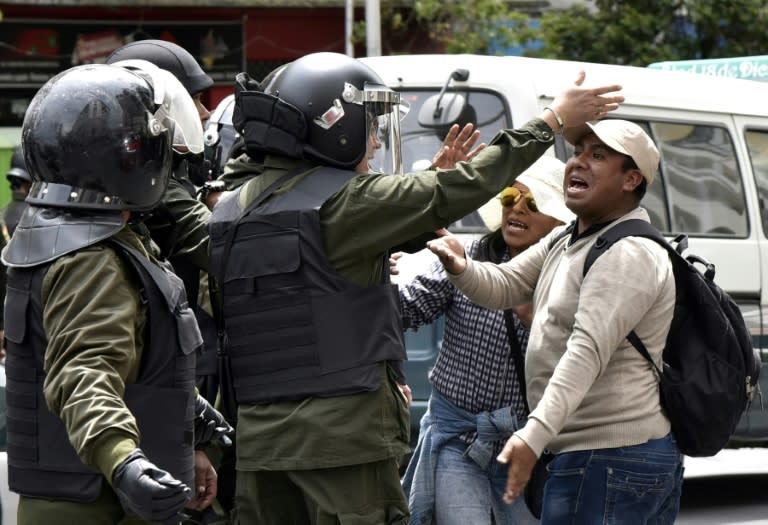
(511, 196)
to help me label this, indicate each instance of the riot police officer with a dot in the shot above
(179, 227)
(179, 224)
(312, 323)
(20, 181)
(101, 343)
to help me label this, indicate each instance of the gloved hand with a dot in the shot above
(210, 425)
(146, 491)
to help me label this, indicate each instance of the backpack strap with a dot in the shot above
(636, 228)
(566, 232)
(633, 338)
(641, 228)
(632, 227)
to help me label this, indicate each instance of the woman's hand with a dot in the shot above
(449, 250)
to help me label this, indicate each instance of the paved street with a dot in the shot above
(728, 489)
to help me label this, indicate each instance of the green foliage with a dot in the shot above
(452, 26)
(640, 32)
(633, 32)
(469, 26)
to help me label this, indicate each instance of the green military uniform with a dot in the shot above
(95, 322)
(239, 171)
(343, 450)
(188, 235)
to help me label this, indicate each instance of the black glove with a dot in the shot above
(146, 491)
(210, 425)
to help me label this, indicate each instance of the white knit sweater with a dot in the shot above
(588, 387)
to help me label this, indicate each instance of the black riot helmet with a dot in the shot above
(342, 101)
(98, 137)
(168, 56)
(18, 173)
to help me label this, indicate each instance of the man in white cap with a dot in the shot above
(594, 399)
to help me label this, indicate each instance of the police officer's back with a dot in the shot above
(101, 349)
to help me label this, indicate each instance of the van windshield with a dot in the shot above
(420, 143)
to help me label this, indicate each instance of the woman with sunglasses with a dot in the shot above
(478, 396)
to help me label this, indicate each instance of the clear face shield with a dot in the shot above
(383, 111)
(220, 135)
(176, 109)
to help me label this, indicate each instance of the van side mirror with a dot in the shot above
(442, 111)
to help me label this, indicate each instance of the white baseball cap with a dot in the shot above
(544, 179)
(625, 137)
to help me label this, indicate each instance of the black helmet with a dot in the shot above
(99, 137)
(18, 173)
(168, 56)
(331, 90)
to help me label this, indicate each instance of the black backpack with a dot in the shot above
(710, 367)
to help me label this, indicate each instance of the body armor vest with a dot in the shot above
(294, 327)
(207, 364)
(41, 461)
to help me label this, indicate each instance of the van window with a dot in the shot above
(698, 188)
(700, 175)
(757, 144)
(486, 110)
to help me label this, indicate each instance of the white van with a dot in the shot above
(712, 184)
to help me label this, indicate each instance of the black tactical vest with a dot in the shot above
(41, 461)
(207, 364)
(294, 327)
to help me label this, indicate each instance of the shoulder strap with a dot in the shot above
(636, 228)
(565, 233)
(264, 195)
(632, 227)
(517, 355)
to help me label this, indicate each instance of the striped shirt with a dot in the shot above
(475, 369)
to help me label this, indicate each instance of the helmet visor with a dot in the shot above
(220, 135)
(176, 109)
(383, 111)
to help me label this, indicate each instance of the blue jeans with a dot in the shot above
(467, 494)
(640, 484)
